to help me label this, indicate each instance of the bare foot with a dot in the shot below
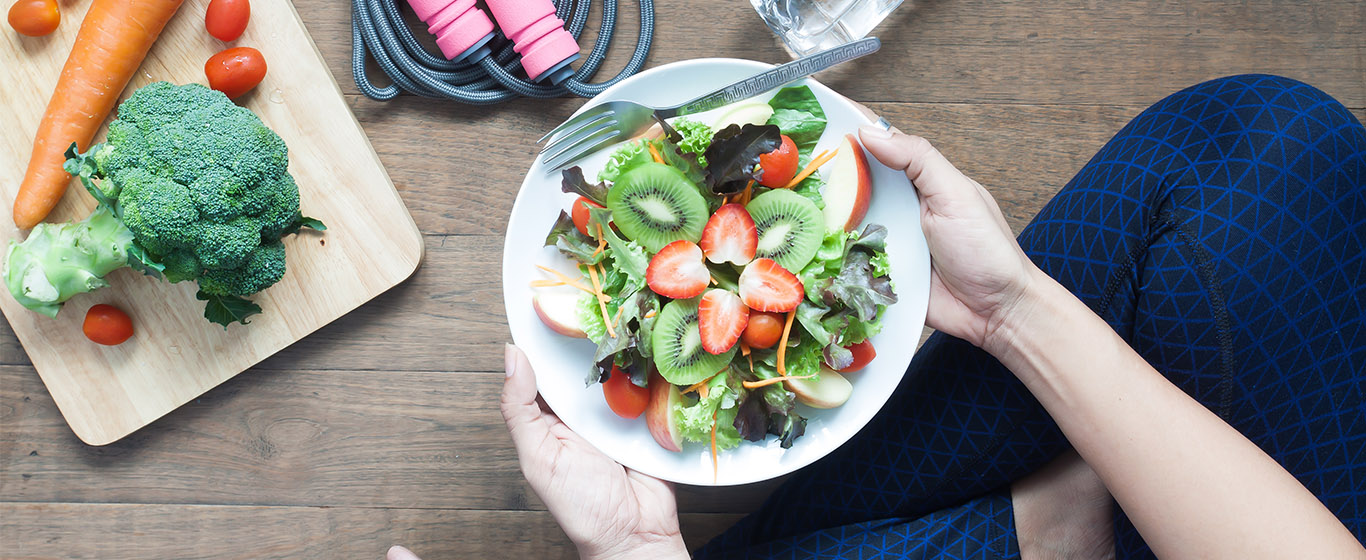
(1064, 511)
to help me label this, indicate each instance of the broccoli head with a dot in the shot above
(190, 187)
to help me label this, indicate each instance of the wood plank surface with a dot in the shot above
(107, 392)
(383, 427)
(105, 531)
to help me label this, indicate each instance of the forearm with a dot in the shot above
(1191, 484)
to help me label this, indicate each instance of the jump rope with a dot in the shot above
(481, 63)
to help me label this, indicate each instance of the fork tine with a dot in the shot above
(576, 120)
(584, 149)
(574, 136)
(579, 139)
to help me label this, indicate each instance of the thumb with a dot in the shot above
(397, 552)
(519, 390)
(927, 169)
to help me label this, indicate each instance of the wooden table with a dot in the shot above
(384, 428)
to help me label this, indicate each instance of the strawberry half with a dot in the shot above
(721, 318)
(677, 271)
(767, 286)
(730, 236)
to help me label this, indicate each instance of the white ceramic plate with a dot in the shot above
(562, 363)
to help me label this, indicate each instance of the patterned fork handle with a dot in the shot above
(778, 76)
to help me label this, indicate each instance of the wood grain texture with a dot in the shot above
(388, 439)
(383, 427)
(107, 392)
(114, 531)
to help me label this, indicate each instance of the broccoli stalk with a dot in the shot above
(190, 187)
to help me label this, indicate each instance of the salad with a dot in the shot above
(723, 278)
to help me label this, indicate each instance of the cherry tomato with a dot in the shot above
(580, 214)
(779, 165)
(107, 325)
(227, 19)
(764, 329)
(34, 18)
(235, 71)
(624, 397)
(863, 353)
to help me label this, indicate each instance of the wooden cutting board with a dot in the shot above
(371, 243)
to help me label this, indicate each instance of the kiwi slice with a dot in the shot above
(677, 345)
(655, 205)
(790, 228)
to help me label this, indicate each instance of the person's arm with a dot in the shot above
(1192, 485)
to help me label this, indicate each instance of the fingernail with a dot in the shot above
(509, 359)
(397, 552)
(874, 132)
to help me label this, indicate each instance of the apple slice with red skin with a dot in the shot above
(659, 416)
(848, 187)
(827, 390)
(558, 309)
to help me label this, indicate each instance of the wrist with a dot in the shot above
(1035, 307)
(664, 547)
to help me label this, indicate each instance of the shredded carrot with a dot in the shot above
(713, 281)
(782, 343)
(602, 241)
(650, 313)
(571, 281)
(546, 283)
(772, 380)
(714, 467)
(655, 154)
(617, 320)
(811, 167)
(602, 301)
(749, 192)
(748, 354)
(700, 385)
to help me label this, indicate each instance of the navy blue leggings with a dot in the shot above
(1222, 233)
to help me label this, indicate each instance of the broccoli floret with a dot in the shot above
(191, 187)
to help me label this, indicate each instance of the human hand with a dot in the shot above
(607, 510)
(978, 275)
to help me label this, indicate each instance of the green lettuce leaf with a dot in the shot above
(800, 116)
(627, 256)
(572, 181)
(695, 138)
(802, 127)
(577, 246)
(733, 157)
(720, 406)
(625, 158)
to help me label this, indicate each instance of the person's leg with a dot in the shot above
(1251, 291)
(961, 425)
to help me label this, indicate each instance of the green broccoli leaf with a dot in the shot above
(226, 310)
(312, 223)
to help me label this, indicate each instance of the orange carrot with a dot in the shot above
(772, 380)
(811, 167)
(113, 40)
(715, 468)
(654, 154)
(782, 343)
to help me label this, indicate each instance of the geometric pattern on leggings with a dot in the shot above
(1222, 233)
(981, 529)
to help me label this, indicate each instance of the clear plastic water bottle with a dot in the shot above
(807, 26)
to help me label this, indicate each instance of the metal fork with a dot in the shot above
(615, 121)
